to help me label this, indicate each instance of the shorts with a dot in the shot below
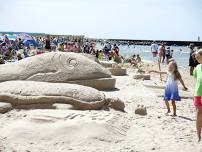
(154, 54)
(167, 56)
(198, 101)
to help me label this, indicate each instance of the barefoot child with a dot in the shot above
(171, 90)
(197, 73)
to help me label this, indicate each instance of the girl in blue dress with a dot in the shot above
(171, 88)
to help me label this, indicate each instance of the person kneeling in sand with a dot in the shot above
(132, 62)
(171, 89)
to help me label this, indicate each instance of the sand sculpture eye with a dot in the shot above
(71, 62)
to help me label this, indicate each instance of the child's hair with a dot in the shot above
(176, 73)
(199, 52)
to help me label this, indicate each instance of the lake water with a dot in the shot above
(181, 57)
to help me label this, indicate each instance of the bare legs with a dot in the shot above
(168, 107)
(174, 108)
(163, 58)
(199, 122)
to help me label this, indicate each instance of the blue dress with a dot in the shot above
(171, 90)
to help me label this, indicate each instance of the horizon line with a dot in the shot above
(87, 37)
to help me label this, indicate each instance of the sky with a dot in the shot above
(120, 19)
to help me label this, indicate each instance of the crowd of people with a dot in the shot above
(164, 53)
(25, 46)
(108, 51)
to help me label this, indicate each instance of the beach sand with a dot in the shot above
(107, 131)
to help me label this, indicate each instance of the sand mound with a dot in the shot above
(55, 130)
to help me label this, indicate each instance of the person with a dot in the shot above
(61, 47)
(6, 40)
(197, 73)
(171, 54)
(138, 59)
(116, 57)
(116, 48)
(167, 53)
(154, 49)
(48, 43)
(164, 52)
(19, 56)
(20, 44)
(171, 90)
(86, 48)
(101, 55)
(107, 48)
(132, 62)
(134, 56)
(2, 61)
(110, 55)
(97, 54)
(161, 52)
(192, 61)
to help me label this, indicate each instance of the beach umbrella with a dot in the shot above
(30, 42)
(24, 36)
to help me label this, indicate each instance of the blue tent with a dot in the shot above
(30, 42)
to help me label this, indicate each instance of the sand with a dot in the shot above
(62, 130)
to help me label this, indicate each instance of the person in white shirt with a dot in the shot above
(154, 49)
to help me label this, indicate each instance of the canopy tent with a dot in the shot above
(30, 42)
(27, 39)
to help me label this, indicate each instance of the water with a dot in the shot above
(181, 57)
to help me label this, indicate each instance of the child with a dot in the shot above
(171, 54)
(171, 90)
(161, 52)
(138, 59)
(197, 73)
(167, 52)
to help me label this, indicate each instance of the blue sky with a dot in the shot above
(124, 19)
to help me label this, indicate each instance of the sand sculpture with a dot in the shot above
(59, 67)
(25, 93)
(117, 70)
